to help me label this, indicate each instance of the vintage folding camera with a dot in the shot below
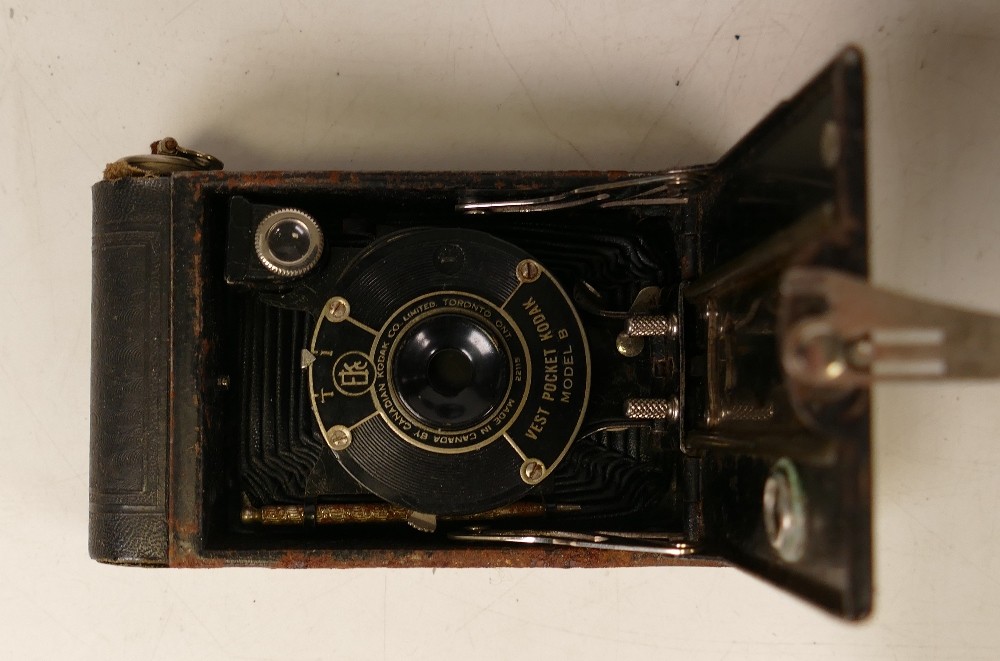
(449, 369)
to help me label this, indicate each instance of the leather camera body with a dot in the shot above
(481, 369)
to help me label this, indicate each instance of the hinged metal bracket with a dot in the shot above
(838, 331)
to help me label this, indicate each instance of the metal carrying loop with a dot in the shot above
(165, 157)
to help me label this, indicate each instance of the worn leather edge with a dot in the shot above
(130, 378)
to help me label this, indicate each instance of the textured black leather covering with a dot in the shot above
(129, 414)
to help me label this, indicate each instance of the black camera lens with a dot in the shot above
(288, 242)
(450, 371)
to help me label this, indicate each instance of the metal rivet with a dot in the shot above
(816, 352)
(784, 511)
(528, 270)
(337, 309)
(450, 258)
(629, 346)
(338, 438)
(861, 354)
(167, 146)
(532, 471)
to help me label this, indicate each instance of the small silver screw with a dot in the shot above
(223, 382)
(338, 438)
(528, 270)
(629, 346)
(337, 309)
(784, 511)
(532, 471)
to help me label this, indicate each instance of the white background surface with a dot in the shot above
(427, 85)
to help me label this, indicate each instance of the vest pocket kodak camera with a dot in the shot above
(599, 369)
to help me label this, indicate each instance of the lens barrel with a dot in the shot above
(457, 364)
(451, 371)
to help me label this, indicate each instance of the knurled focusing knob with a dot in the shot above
(288, 242)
